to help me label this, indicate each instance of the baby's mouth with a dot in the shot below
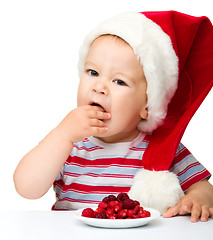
(98, 105)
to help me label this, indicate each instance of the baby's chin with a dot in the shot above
(109, 137)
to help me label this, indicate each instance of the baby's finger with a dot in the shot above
(187, 207)
(98, 131)
(211, 212)
(97, 123)
(98, 114)
(172, 211)
(205, 213)
(195, 213)
(96, 108)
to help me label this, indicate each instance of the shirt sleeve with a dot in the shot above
(187, 168)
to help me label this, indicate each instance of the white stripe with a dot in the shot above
(73, 205)
(100, 181)
(180, 166)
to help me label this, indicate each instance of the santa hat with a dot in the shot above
(176, 53)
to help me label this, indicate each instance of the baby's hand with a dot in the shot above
(194, 205)
(83, 122)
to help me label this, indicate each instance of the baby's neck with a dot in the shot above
(121, 137)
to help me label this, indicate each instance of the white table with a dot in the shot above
(53, 225)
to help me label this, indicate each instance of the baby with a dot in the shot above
(98, 147)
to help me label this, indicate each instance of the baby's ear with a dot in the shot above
(144, 113)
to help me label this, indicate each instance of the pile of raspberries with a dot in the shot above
(120, 207)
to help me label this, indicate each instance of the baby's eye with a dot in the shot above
(93, 73)
(120, 82)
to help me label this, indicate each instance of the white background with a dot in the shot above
(39, 42)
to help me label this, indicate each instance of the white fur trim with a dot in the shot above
(159, 190)
(154, 49)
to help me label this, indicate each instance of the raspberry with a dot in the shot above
(99, 210)
(113, 216)
(88, 212)
(110, 212)
(118, 207)
(136, 203)
(140, 210)
(128, 204)
(142, 215)
(103, 205)
(136, 209)
(101, 215)
(148, 214)
(134, 216)
(122, 213)
(112, 198)
(130, 212)
(106, 200)
(122, 196)
(112, 204)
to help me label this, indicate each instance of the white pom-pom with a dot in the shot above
(156, 189)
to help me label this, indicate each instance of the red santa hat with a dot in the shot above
(176, 53)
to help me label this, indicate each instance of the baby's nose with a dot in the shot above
(100, 88)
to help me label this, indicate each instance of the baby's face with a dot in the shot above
(113, 78)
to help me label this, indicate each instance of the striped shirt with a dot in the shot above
(95, 169)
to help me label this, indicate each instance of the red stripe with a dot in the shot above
(72, 174)
(137, 149)
(106, 166)
(194, 178)
(78, 200)
(110, 175)
(57, 195)
(106, 162)
(99, 175)
(59, 183)
(188, 167)
(180, 156)
(86, 140)
(94, 189)
(87, 149)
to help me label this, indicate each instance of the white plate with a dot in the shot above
(118, 223)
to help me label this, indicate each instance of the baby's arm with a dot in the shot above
(38, 169)
(198, 201)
